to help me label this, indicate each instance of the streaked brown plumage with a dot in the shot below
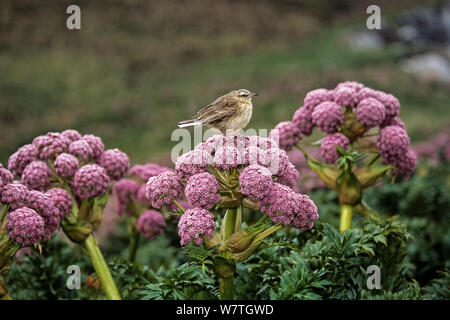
(231, 112)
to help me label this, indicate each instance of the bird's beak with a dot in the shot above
(254, 94)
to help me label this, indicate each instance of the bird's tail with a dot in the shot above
(189, 123)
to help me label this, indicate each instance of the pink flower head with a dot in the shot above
(227, 157)
(255, 181)
(37, 175)
(6, 177)
(162, 189)
(50, 145)
(286, 133)
(71, 134)
(238, 141)
(44, 206)
(115, 162)
(365, 93)
(141, 196)
(194, 224)
(302, 119)
(395, 121)
(61, 200)
(370, 112)
(202, 190)
(307, 213)
(151, 224)
(124, 191)
(14, 194)
(146, 171)
(392, 142)
(192, 162)
(21, 158)
(316, 97)
(346, 96)
(256, 156)
(90, 181)
(25, 226)
(211, 144)
(390, 102)
(289, 176)
(66, 165)
(81, 149)
(328, 116)
(280, 204)
(277, 160)
(351, 84)
(261, 142)
(328, 149)
(405, 164)
(96, 145)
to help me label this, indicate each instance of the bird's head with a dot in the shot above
(243, 95)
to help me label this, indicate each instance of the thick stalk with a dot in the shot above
(134, 244)
(227, 284)
(102, 269)
(346, 217)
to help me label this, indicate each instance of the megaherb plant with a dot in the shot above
(232, 173)
(365, 141)
(74, 174)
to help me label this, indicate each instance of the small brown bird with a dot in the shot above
(230, 112)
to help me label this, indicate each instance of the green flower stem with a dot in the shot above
(227, 284)
(307, 155)
(134, 244)
(102, 269)
(3, 212)
(346, 217)
(373, 160)
(179, 205)
(364, 210)
(267, 232)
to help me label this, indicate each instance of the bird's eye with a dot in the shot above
(244, 94)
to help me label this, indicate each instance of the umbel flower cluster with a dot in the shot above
(361, 125)
(68, 168)
(64, 180)
(130, 199)
(232, 172)
(352, 115)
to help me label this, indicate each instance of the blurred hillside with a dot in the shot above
(137, 67)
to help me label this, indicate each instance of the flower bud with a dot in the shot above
(241, 240)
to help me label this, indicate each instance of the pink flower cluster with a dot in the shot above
(201, 175)
(346, 113)
(163, 189)
(25, 226)
(68, 157)
(32, 215)
(130, 197)
(151, 224)
(90, 181)
(393, 145)
(328, 146)
(285, 206)
(202, 190)
(287, 133)
(195, 224)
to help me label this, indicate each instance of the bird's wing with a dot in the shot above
(221, 107)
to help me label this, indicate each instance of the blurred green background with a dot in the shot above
(137, 67)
